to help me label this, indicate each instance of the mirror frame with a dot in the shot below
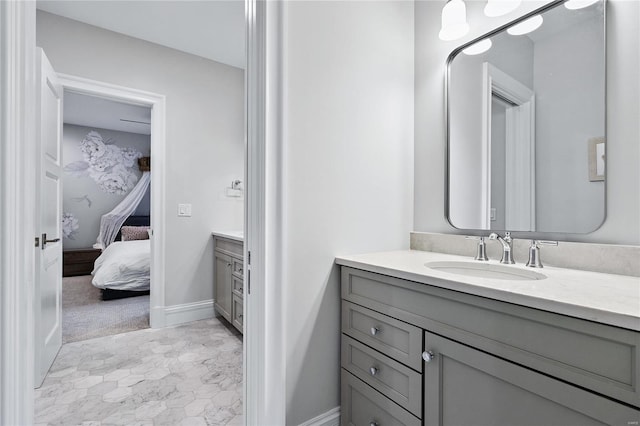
(558, 236)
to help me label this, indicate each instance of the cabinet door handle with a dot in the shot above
(240, 270)
(374, 331)
(428, 356)
(373, 371)
(228, 265)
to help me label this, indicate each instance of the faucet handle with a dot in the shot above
(481, 253)
(534, 252)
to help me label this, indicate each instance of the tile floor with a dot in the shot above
(184, 375)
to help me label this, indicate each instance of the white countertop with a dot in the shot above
(604, 298)
(232, 235)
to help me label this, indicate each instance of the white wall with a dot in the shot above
(348, 171)
(623, 132)
(89, 210)
(205, 135)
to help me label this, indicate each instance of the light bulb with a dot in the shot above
(579, 4)
(500, 7)
(478, 48)
(526, 26)
(454, 21)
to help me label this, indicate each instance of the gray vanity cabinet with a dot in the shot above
(228, 280)
(430, 356)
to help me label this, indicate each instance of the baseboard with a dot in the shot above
(330, 418)
(187, 312)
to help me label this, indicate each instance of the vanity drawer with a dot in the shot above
(364, 406)
(398, 382)
(602, 358)
(238, 286)
(396, 339)
(238, 267)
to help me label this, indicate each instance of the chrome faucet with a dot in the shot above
(507, 246)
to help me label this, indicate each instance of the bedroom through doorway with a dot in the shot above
(106, 150)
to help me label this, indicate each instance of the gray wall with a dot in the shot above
(623, 98)
(89, 210)
(348, 172)
(562, 172)
(205, 135)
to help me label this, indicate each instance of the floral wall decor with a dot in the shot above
(101, 169)
(110, 166)
(70, 226)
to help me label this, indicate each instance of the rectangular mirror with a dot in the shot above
(526, 124)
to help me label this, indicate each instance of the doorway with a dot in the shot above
(114, 297)
(17, 331)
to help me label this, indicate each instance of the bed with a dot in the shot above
(123, 268)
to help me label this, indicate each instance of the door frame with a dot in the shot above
(520, 169)
(264, 341)
(17, 212)
(264, 353)
(157, 103)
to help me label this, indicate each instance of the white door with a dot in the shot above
(48, 283)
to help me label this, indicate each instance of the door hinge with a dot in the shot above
(249, 282)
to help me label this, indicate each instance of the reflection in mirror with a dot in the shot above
(524, 111)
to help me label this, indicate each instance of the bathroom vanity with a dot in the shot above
(427, 346)
(228, 277)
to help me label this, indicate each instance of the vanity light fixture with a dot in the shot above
(478, 48)
(454, 21)
(579, 4)
(495, 8)
(527, 26)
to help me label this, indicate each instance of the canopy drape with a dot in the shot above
(111, 222)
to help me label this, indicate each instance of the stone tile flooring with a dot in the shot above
(184, 375)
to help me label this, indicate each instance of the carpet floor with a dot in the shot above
(86, 316)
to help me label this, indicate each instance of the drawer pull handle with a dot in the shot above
(428, 356)
(373, 371)
(374, 331)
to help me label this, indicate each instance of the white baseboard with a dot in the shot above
(180, 314)
(330, 418)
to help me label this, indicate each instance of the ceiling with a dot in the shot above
(91, 111)
(213, 29)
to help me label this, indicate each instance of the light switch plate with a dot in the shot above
(184, 210)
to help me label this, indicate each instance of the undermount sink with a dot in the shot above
(485, 270)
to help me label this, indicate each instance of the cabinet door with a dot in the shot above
(222, 285)
(464, 386)
(238, 313)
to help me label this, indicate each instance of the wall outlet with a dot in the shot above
(184, 210)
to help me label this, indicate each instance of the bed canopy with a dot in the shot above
(111, 222)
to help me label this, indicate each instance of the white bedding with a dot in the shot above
(124, 265)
